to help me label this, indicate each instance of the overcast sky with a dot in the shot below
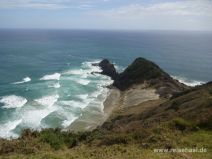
(107, 14)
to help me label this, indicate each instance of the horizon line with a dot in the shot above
(101, 29)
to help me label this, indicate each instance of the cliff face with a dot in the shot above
(143, 71)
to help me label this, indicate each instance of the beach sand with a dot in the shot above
(138, 94)
(93, 118)
(114, 103)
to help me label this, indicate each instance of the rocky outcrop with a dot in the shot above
(107, 68)
(143, 71)
(139, 71)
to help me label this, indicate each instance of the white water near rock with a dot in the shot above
(187, 81)
(13, 101)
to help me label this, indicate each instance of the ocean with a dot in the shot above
(46, 80)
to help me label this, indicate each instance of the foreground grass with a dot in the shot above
(54, 144)
(113, 152)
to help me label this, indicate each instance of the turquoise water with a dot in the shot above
(46, 78)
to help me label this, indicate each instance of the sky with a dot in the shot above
(107, 14)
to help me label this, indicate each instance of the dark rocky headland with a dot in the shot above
(143, 71)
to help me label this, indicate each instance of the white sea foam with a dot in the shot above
(13, 101)
(55, 76)
(47, 100)
(99, 97)
(6, 129)
(79, 72)
(86, 70)
(32, 118)
(75, 72)
(69, 118)
(56, 85)
(83, 96)
(68, 122)
(96, 93)
(187, 81)
(76, 104)
(83, 81)
(26, 79)
(106, 81)
(91, 67)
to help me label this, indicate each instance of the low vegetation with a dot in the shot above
(53, 143)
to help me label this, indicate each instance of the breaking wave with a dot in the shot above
(47, 100)
(32, 117)
(6, 130)
(26, 79)
(55, 76)
(13, 101)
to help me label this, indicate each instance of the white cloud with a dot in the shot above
(118, 14)
(177, 8)
(39, 4)
(169, 15)
(50, 4)
(46, 4)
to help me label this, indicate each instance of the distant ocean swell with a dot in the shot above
(68, 93)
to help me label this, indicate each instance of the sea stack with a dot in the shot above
(108, 68)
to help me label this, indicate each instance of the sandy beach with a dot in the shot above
(115, 101)
(91, 119)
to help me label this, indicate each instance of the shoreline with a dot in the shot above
(115, 102)
(89, 121)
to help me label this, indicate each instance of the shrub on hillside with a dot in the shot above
(114, 139)
(182, 124)
(53, 138)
